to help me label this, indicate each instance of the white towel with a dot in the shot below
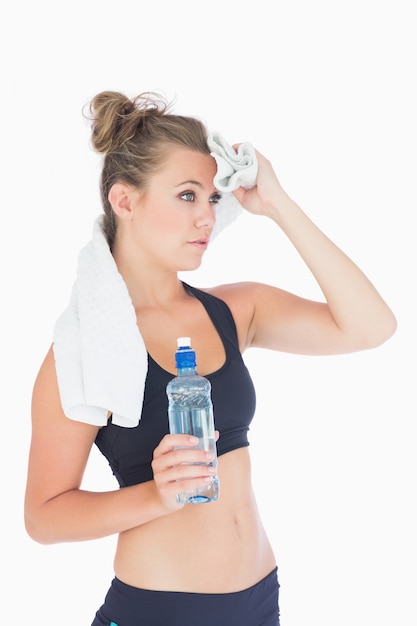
(234, 168)
(100, 357)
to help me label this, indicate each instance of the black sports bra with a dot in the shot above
(129, 451)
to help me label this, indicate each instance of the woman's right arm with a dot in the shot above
(57, 509)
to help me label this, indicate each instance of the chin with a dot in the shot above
(189, 267)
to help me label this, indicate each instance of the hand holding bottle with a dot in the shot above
(178, 465)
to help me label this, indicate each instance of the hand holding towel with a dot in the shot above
(234, 169)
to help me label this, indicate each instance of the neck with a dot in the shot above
(148, 286)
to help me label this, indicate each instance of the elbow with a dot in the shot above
(380, 332)
(392, 327)
(387, 328)
(37, 532)
(370, 333)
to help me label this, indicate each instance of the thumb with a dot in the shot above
(239, 194)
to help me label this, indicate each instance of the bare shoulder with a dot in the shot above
(245, 296)
(241, 298)
(238, 296)
(46, 401)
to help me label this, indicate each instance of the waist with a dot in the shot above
(256, 605)
(215, 547)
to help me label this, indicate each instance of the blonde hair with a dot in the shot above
(135, 135)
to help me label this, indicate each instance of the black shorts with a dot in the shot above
(129, 606)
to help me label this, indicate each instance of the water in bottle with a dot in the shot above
(190, 411)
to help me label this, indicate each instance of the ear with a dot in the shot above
(121, 200)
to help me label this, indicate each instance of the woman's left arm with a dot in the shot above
(353, 317)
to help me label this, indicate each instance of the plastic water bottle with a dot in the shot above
(190, 411)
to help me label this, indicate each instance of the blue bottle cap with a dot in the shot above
(184, 356)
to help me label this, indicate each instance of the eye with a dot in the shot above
(188, 196)
(215, 198)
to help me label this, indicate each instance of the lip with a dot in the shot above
(202, 242)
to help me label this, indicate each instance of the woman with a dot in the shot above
(160, 206)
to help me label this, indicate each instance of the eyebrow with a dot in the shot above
(197, 183)
(188, 182)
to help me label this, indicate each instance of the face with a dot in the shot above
(174, 218)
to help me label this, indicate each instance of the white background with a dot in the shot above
(327, 90)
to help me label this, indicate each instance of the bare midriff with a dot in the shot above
(215, 547)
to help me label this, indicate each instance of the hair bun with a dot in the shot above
(115, 118)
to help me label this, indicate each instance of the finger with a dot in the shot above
(182, 456)
(189, 472)
(169, 442)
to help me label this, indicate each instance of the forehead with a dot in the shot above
(183, 165)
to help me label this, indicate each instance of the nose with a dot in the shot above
(207, 216)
